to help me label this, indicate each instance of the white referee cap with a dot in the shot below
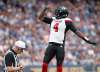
(20, 44)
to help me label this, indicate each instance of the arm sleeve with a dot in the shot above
(72, 27)
(9, 59)
(47, 20)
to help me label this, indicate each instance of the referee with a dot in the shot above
(11, 61)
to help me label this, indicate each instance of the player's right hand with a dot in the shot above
(48, 7)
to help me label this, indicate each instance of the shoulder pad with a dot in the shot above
(53, 18)
(68, 20)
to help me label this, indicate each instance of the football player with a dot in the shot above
(59, 25)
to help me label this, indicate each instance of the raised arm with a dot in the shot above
(42, 14)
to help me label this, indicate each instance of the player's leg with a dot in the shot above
(49, 54)
(60, 57)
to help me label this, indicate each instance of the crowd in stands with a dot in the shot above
(19, 21)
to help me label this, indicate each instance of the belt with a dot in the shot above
(56, 44)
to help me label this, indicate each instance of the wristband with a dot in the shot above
(86, 38)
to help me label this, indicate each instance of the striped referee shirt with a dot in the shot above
(10, 59)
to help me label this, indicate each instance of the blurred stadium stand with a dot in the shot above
(18, 20)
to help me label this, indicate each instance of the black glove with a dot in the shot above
(91, 42)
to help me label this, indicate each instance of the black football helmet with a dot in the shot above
(61, 12)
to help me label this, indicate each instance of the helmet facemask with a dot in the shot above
(61, 12)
